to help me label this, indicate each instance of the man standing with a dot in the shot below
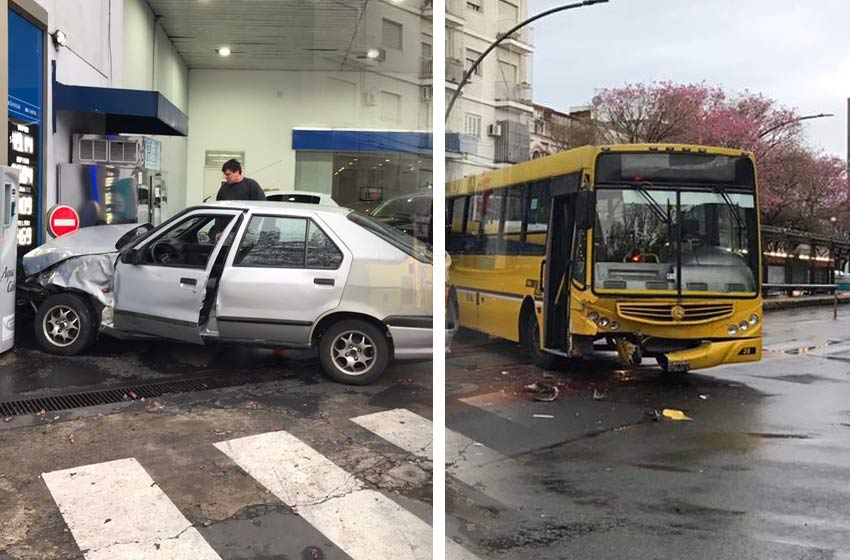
(237, 186)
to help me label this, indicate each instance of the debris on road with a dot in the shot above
(599, 395)
(7, 419)
(704, 397)
(155, 406)
(674, 414)
(72, 439)
(251, 405)
(545, 416)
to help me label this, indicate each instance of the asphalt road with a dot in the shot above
(759, 472)
(288, 465)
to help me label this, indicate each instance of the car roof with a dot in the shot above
(270, 205)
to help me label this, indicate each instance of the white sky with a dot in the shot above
(794, 51)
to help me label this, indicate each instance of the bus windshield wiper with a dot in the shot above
(656, 207)
(733, 208)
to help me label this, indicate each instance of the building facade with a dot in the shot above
(336, 97)
(494, 111)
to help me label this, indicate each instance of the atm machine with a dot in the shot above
(8, 254)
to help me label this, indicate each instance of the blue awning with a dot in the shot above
(127, 111)
(347, 140)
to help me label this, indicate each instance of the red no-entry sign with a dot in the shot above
(61, 220)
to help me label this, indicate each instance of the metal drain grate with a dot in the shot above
(129, 393)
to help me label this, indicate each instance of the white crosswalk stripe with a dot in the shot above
(413, 433)
(364, 523)
(116, 510)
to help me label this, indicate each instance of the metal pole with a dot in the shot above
(507, 34)
(792, 121)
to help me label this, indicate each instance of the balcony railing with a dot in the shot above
(524, 35)
(512, 91)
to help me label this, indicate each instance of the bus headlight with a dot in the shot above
(603, 322)
(732, 330)
(743, 326)
(754, 320)
(614, 325)
(593, 316)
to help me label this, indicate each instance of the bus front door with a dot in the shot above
(557, 274)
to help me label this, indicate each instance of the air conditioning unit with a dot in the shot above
(494, 130)
(370, 99)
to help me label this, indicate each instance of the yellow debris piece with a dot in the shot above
(674, 414)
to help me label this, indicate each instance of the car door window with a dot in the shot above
(187, 244)
(321, 251)
(272, 241)
(285, 242)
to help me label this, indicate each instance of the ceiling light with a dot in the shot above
(223, 51)
(60, 38)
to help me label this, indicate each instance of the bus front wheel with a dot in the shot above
(530, 340)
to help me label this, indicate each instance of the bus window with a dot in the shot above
(457, 212)
(512, 224)
(580, 258)
(493, 201)
(539, 203)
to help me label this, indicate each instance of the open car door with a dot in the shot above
(160, 284)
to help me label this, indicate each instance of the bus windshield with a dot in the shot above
(636, 248)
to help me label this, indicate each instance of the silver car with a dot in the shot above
(263, 273)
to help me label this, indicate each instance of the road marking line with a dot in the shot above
(414, 434)
(116, 510)
(363, 523)
(402, 428)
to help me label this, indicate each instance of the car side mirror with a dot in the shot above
(585, 209)
(133, 256)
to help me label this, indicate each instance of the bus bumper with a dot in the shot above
(714, 353)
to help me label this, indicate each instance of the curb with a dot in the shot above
(775, 304)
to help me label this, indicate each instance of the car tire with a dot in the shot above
(354, 352)
(530, 340)
(64, 324)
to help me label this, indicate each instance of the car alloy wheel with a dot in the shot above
(353, 352)
(61, 326)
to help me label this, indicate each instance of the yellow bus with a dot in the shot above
(652, 250)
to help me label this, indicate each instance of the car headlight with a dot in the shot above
(593, 316)
(754, 320)
(732, 330)
(603, 322)
(743, 326)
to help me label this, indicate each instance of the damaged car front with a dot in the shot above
(73, 275)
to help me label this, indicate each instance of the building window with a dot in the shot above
(474, 5)
(390, 106)
(472, 125)
(508, 13)
(471, 57)
(391, 34)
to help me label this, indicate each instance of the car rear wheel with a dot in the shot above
(354, 352)
(64, 324)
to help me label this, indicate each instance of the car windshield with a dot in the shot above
(417, 249)
(406, 206)
(635, 241)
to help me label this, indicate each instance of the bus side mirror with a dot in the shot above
(585, 209)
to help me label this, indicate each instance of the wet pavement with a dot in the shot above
(184, 442)
(760, 471)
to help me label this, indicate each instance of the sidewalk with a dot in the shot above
(786, 302)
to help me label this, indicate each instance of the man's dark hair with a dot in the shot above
(232, 165)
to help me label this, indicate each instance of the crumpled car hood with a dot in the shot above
(96, 240)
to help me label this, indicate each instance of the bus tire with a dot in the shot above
(530, 340)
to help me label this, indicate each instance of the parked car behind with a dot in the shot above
(262, 273)
(304, 197)
(412, 214)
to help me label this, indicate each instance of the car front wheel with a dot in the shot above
(354, 352)
(64, 324)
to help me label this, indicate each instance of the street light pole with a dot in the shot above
(792, 121)
(504, 36)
